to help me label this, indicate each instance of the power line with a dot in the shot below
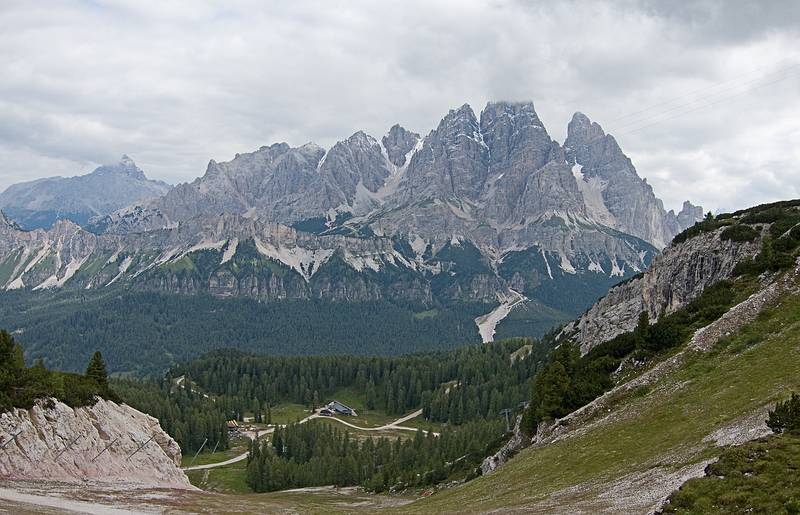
(704, 90)
(634, 123)
(710, 104)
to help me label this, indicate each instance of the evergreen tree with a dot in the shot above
(786, 416)
(97, 370)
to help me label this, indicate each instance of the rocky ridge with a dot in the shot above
(675, 278)
(39, 203)
(494, 179)
(106, 443)
(483, 208)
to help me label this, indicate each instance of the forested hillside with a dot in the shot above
(456, 386)
(320, 454)
(143, 333)
(188, 417)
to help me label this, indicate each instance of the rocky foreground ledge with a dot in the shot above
(107, 443)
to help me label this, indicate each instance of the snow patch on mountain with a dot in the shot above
(418, 245)
(230, 250)
(203, 245)
(72, 268)
(123, 267)
(487, 324)
(546, 263)
(16, 284)
(616, 270)
(566, 264)
(596, 267)
(396, 173)
(592, 189)
(304, 261)
(359, 263)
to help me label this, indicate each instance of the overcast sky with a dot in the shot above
(703, 96)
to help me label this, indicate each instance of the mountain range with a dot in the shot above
(38, 204)
(486, 209)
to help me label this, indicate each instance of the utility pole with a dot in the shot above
(508, 423)
(198, 452)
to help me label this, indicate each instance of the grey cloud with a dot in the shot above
(177, 84)
(727, 21)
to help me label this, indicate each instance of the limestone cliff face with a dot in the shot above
(675, 278)
(226, 256)
(613, 190)
(97, 443)
(487, 177)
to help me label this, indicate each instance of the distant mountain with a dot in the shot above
(39, 203)
(488, 210)
(486, 179)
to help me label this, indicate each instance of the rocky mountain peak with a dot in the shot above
(275, 147)
(511, 110)
(609, 180)
(587, 144)
(463, 116)
(126, 167)
(362, 139)
(513, 131)
(398, 142)
(453, 161)
(582, 129)
(501, 167)
(689, 215)
(125, 160)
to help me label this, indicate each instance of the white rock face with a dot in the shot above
(63, 444)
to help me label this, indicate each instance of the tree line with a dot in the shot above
(317, 454)
(21, 386)
(455, 386)
(144, 333)
(187, 416)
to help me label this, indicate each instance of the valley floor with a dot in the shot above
(56, 498)
(624, 453)
(626, 460)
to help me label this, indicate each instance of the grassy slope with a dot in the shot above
(759, 477)
(664, 427)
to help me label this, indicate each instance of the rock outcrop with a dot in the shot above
(106, 442)
(675, 278)
(703, 340)
(507, 451)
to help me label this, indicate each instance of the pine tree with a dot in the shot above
(786, 416)
(97, 370)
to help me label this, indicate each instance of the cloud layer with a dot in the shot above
(702, 96)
